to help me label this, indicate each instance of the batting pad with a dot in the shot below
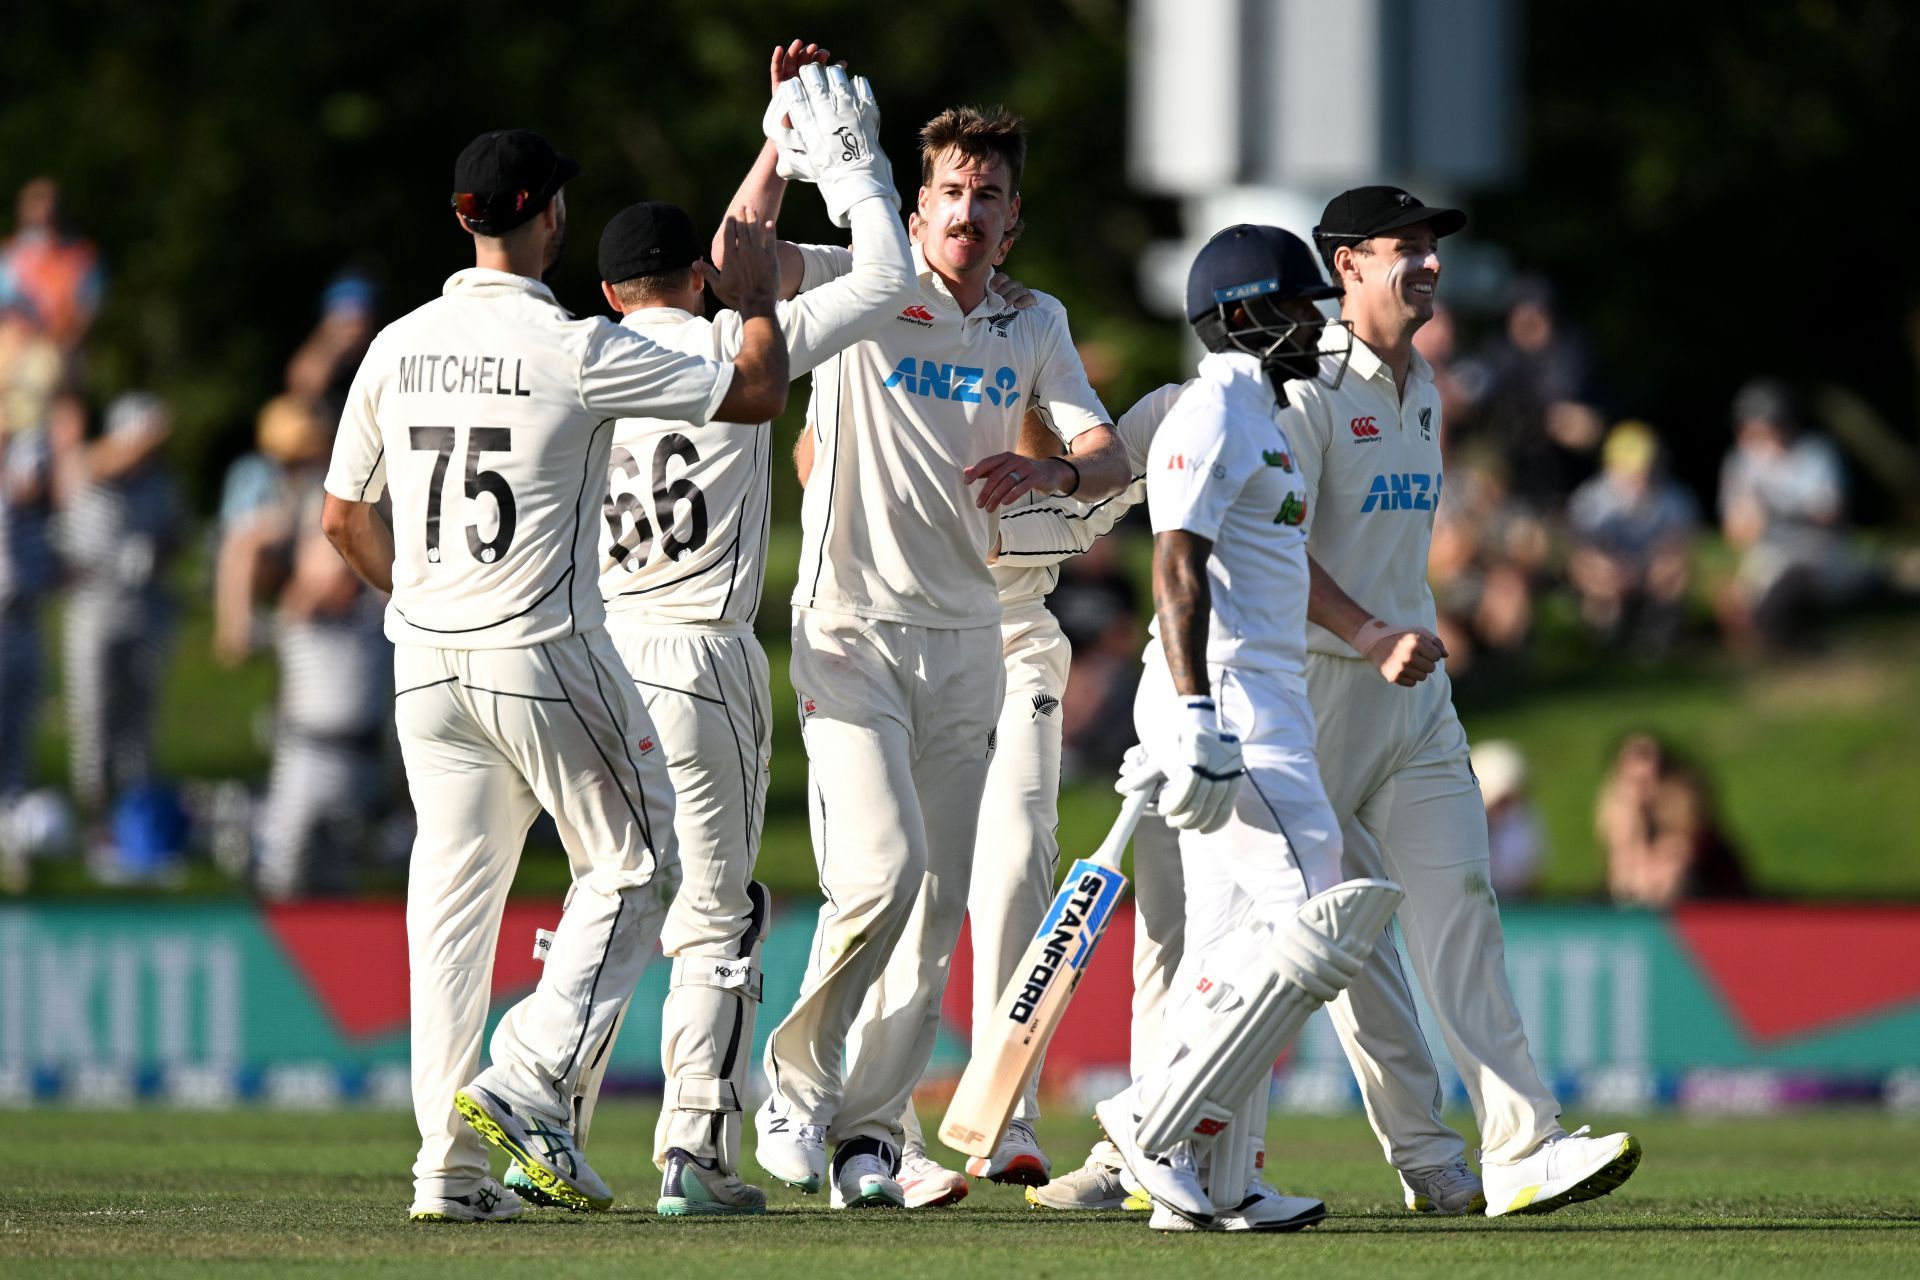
(1242, 1015)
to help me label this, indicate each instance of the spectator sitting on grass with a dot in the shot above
(1660, 830)
(1631, 530)
(1783, 506)
(1515, 841)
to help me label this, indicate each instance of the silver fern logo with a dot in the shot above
(1044, 704)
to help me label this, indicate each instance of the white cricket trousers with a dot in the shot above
(705, 686)
(490, 737)
(1396, 768)
(1016, 851)
(1280, 846)
(898, 722)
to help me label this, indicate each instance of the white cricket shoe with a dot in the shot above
(928, 1184)
(692, 1187)
(1097, 1184)
(1263, 1209)
(1445, 1191)
(1564, 1171)
(863, 1177)
(488, 1202)
(790, 1149)
(1018, 1161)
(1170, 1177)
(545, 1152)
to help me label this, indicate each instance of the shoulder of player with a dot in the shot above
(1047, 312)
(1203, 410)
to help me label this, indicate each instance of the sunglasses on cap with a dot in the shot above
(478, 208)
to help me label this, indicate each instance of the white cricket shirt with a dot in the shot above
(686, 512)
(890, 529)
(487, 413)
(1040, 532)
(1371, 462)
(1221, 466)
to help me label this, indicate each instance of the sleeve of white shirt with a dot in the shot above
(358, 470)
(1197, 466)
(1307, 422)
(1051, 529)
(843, 308)
(1060, 383)
(824, 263)
(626, 375)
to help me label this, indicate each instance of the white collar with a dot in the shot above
(484, 280)
(991, 304)
(1245, 381)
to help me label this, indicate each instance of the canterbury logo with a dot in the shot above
(1045, 704)
(645, 745)
(1364, 428)
(1210, 1128)
(917, 314)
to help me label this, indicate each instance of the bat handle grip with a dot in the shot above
(1114, 847)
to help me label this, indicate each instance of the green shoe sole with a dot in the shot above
(681, 1207)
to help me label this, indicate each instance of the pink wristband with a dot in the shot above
(1370, 633)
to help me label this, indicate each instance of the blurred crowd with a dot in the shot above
(92, 517)
(1549, 499)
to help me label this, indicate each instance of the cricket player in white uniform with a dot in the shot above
(687, 514)
(897, 652)
(1272, 932)
(1395, 762)
(487, 415)
(1016, 850)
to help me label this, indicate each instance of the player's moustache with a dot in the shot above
(965, 229)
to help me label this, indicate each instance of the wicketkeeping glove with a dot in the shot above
(1203, 771)
(836, 131)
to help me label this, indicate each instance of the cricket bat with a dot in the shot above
(1008, 1048)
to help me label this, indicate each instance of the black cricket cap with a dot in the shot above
(1365, 212)
(504, 178)
(645, 239)
(1249, 261)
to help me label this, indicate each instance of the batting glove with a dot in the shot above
(1203, 773)
(836, 127)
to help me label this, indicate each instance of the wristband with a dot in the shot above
(1199, 712)
(1370, 633)
(1076, 478)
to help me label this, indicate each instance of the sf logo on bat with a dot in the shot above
(1071, 925)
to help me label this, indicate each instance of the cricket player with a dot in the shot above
(487, 415)
(1271, 930)
(687, 515)
(897, 649)
(1016, 850)
(1395, 761)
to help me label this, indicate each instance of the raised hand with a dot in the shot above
(836, 127)
(753, 265)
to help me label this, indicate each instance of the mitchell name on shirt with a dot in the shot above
(453, 374)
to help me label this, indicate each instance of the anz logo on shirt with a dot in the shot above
(1402, 491)
(955, 382)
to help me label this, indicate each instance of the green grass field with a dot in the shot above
(155, 1193)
